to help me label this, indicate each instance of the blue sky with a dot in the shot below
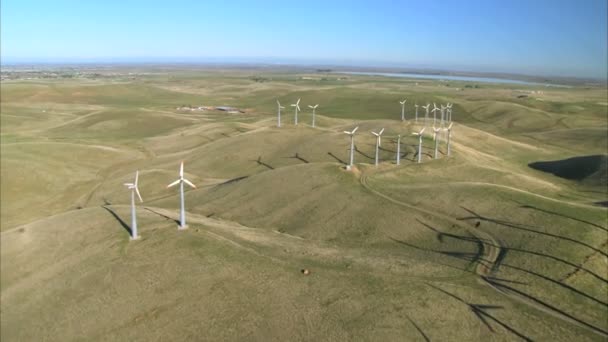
(543, 37)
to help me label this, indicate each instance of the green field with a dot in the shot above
(506, 239)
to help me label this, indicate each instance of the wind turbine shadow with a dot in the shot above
(527, 206)
(426, 338)
(162, 215)
(123, 224)
(297, 156)
(336, 158)
(528, 228)
(363, 154)
(260, 162)
(481, 311)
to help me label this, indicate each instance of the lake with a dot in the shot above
(449, 78)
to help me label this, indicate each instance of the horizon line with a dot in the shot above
(279, 61)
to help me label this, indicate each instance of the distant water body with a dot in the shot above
(450, 78)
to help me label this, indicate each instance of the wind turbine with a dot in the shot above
(378, 137)
(435, 131)
(449, 107)
(399, 149)
(449, 129)
(434, 113)
(419, 134)
(416, 112)
(352, 146)
(402, 110)
(313, 113)
(134, 190)
(426, 114)
(279, 113)
(181, 181)
(297, 105)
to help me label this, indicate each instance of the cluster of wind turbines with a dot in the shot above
(445, 126)
(135, 191)
(297, 109)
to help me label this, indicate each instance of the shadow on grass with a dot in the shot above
(162, 215)
(123, 224)
(298, 157)
(481, 311)
(260, 162)
(527, 206)
(233, 180)
(473, 257)
(336, 158)
(363, 154)
(523, 227)
(426, 338)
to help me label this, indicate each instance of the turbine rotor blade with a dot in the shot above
(181, 170)
(189, 183)
(356, 128)
(174, 183)
(381, 131)
(138, 195)
(136, 177)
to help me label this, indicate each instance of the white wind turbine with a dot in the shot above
(352, 146)
(449, 130)
(435, 131)
(279, 113)
(313, 113)
(426, 114)
(449, 107)
(419, 134)
(403, 109)
(378, 137)
(134, 190)
(297, 108)
(435, 109)
(399, 149)
(415, 105)
(181, 181)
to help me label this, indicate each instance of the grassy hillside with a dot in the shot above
(506, 239)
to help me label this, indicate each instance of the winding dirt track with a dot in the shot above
(487, 264)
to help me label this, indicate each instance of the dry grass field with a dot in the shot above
(506, 239)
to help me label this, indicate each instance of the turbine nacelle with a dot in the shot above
(352, 132)
(181, 178)
(419, 133)
(297, 105)
(133, 186)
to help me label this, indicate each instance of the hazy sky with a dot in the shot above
(547, 37)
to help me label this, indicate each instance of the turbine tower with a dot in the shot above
(134, 190)
(297, 108)
(419, 134)
(402, 110)
(313, 113)
(352, 146)
(435, 131)
(449, 130)
(279, 113)
(399, 149)
(378, 137)
(449, 106)
(416, 112)
(426, 114)
(181, 181)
